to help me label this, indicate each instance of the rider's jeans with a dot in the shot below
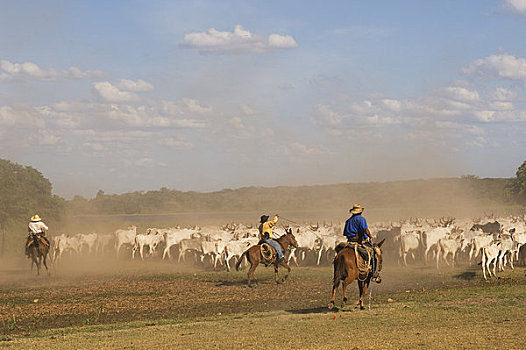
(276, 246)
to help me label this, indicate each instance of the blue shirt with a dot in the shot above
(355, 226)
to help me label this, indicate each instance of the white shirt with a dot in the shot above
(37, 227)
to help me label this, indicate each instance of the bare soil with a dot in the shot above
(86, 291)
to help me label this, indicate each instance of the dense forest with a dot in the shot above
(24, 191)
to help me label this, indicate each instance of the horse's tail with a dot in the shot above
(240, 260)
(340, 269)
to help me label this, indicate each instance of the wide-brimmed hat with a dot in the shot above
(36, 218)
(264, 218)
(356, 209)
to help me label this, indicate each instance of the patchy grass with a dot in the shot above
(415, 307)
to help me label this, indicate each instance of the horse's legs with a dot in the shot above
(251, 273)
(334, 290)
(38, 262)
(45, 264)
(362, 285)
(344, 292)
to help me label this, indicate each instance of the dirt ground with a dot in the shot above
(91, 291)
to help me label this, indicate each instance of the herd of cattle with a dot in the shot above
(495, 241)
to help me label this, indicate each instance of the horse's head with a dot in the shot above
(377, 249)
(289, 238)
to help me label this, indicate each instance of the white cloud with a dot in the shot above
(149, 116)
(111, 93)
(461, 94)
(45, 138)
(185, 106)
(141, 162)
(237, 123)
(94, 146)
(501, 66)
(327, 115)
(176, 143)
(137, 86)
(236, 42)
(281, 41)
(517, 6)
(21, 116)
(247, 110)
(485, 115)
(393, 105)
(30, 70)
(300, 150)
(503, 94)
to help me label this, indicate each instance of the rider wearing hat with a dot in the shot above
(35, 228)
(357, 231)
(265, 230)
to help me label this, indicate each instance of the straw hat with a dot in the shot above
(36, 218)
(356, 209)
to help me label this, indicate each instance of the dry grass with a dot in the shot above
(450, 313)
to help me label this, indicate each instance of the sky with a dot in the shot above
(125, 96)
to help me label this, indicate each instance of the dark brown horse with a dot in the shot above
(346, 271)
(38, 251)
(253, 255)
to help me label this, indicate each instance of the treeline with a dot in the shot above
(453, 192)
(24, 191)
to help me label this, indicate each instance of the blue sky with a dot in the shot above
(206, 95)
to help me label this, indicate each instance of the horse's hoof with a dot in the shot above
(331, 305)
(362, 307)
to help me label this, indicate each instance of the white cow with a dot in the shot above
(409, 243)
(508, 248)
(88, 240)
(307, 241)
(102, 242)
(431, 238)
(212, 249)
(125, 237)
(446, 246)
(190, 244)
(479, 242)
(490, 254)
(64, 243)
(150, 240)
(172, 237)
(326, 244)
(237, 248)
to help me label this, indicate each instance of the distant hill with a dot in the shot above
(434, 197)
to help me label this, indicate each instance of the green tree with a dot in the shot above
(517, 187)
(24, 192)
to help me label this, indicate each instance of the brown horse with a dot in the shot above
(346, 271)
(38, 251)
(253, 255)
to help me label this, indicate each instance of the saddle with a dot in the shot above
(37, 239)
(366, 253)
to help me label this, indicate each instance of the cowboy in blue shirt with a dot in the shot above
(356, 230)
